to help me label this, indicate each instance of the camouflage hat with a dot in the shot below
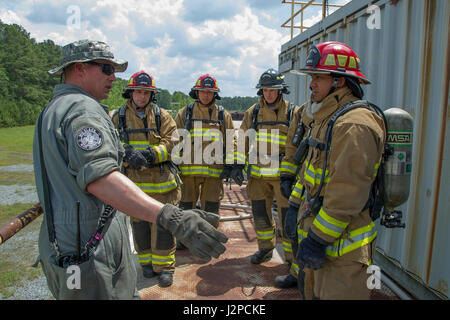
(87, 50)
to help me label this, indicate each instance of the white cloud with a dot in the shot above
(174, 40)
(9, 17)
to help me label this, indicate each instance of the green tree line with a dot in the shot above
(26, 87)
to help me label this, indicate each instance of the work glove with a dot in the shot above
(149, 155)
(134, 158)
(290, 222)
(194, 229)
(311, 253)
(237, 174)
(226, 172)
(286, 185)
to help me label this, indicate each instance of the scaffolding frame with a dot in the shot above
(325, 5)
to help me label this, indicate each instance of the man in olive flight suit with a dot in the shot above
(77, 153)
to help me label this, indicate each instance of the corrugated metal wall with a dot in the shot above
(407, 60)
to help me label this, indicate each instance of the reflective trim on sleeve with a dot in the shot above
(288, 167)
(329, 225)
(161, 151)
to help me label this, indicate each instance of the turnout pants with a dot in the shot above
(153, 244)
(210, 191)
(261, 193)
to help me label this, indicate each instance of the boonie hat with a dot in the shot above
(87, 50)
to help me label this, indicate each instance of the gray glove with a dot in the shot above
(194, 230)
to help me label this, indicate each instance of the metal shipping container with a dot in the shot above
(404, 50)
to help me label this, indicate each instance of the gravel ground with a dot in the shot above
(17, 167)
(17, 194)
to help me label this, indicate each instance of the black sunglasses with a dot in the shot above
(107, 69)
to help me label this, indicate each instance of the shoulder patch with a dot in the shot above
(89, 138)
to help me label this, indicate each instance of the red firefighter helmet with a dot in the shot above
(336, 58)
(140, 80)
(205, 82)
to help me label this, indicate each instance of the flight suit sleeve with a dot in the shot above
(288, 167)
(169, 138)
(354, 159)
(93, 147)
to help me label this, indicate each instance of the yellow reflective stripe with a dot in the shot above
(144, 258)
(163, 260)
(211, 134)
(375, 170)
(287, 246)
(265, 235)
(161, 151)
(288, 167)
(329, 225)
(162, 187)
(301, 234)
(272, 138)
(139, 145)
(239, 158)
(264, 172)
(203, 170)
(356, 239)
(297, 191)
(313, 175)
(294, 265)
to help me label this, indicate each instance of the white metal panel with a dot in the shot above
(407, 61)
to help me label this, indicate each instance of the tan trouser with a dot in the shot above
(261, 192)
(210, 190)
(339, 279)
(153, 244)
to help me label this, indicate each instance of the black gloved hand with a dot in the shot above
(290, 222)
(149, 155)
(226, 172)
(134, 158)
(311, 253)
(286, 185)
(194, 229)
(237, 174)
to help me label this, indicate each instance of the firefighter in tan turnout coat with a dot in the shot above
(204, 123)
(149, 134)
(329, 202)
(268, 122)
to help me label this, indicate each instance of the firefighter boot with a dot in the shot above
(261, 256)
(285, 281)
(165, 279)
(147, 271)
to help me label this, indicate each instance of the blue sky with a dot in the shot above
(176, 41)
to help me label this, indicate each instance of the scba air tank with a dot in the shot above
(398, 166)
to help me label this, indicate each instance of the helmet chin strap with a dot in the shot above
(334, 85)
(136, 105)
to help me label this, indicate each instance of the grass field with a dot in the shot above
(18, 253)
(16, 145)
